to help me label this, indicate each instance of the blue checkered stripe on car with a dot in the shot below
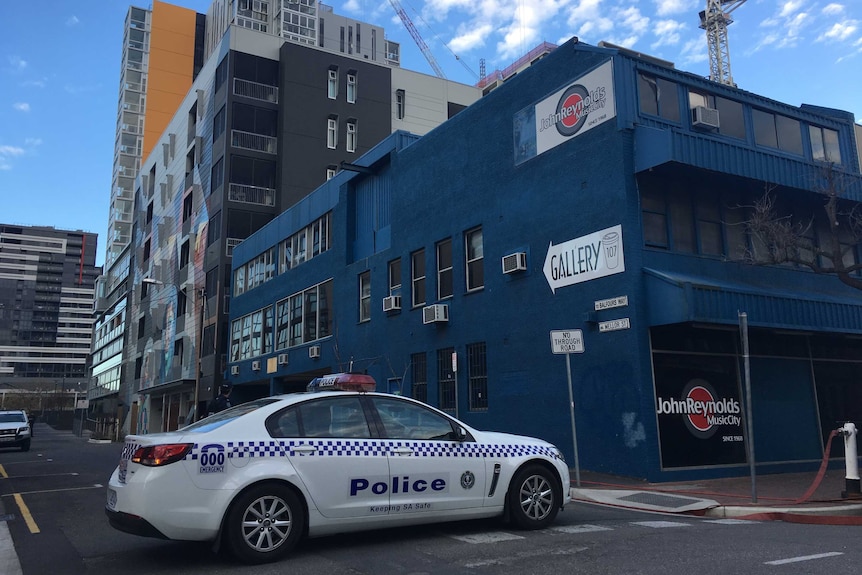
(368, 448)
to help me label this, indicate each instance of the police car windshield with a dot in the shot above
(12, 417)
(228, 415)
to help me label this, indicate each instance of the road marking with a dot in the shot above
(3, 472)
(580, 528)
(730, 521)
(96, 486)
(660, 524)
(803, 558)
(25, 512)
(42, 475)
(490, 537)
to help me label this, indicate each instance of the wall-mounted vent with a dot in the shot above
(438, 312)
(255, 365)
(391, 303)
(282, 359)
(702, 117)
(234, 370)
(516, 262)
(314, 351)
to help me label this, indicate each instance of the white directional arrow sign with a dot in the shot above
(586, 258)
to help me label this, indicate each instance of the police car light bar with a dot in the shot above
(343, 382)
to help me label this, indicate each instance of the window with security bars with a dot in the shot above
(446, 378)
(477, 373)
(419, 376)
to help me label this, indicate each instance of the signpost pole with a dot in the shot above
(749, 422)
(574, 432)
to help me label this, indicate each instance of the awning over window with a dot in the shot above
(680, 298)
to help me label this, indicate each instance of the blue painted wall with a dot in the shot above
(462, 175)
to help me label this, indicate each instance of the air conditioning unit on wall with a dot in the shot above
(392, 303)
(234, 370)
(314, 351)
(282, 359)
(516, 262)
(255, 365)
(703, 117)
(438, 312)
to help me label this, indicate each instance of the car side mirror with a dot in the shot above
(460, 434)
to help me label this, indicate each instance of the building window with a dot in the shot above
(219, 123)
(477, 373)
(395, 276)
(184, 254)
(221, 73)
(444, 270)
(658, 97)
(730, 114)
(400, 104)
(351, 88)
(475, 255)
(332, 84)
(217, 176)
(365, 296)
(419, 377)
(332, 133)
(295, 325)
(654, 215)
(708, 223)
(417, 265)
(188, 207)
(776, 131)
(350, 144)
(214, 229)
(824, 144)
(446, 378)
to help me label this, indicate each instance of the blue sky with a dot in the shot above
(59, 71)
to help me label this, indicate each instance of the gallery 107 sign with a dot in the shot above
(579, 107)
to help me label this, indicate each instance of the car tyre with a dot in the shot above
(534, 497)
(264, 523)
(25, 446)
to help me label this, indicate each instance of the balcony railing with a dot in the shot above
(251, 194)
(256, 142)
(255, 90)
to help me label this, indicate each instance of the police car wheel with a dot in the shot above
(534, 497)
(264, 523)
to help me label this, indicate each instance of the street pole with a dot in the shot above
(199, 353)
(749, 427)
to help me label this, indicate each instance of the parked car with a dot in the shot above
(264, 474)
(15, 429)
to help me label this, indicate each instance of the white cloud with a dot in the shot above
(693, 52)
(351, 6)
(72, 20)
(470, 37)
(7, 153)
(18, 64)
(839, 31)
(21, 106)
(666, 7)
(789, 7)
(668, 33)
(833, 9)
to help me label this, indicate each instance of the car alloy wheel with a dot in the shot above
(264, 523)
(534, 497)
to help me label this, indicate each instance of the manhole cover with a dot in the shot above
(659, 500)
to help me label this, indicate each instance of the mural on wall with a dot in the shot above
(582, 105)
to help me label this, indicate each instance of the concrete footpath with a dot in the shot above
(814, 497)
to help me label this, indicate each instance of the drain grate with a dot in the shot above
(659, 500)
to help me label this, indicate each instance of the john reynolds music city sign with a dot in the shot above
(575, 109)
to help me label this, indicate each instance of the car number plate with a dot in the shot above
(121, 475)
(112, 499)
(7, 438)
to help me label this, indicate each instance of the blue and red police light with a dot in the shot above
(343, 382)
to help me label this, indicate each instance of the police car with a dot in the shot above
(263, 474)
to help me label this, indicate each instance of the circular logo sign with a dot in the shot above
(699, 421)
(571, 108)
(468, 480)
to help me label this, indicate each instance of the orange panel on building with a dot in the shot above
(171, 67)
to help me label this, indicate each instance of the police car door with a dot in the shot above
(329, 445)
(431, 470)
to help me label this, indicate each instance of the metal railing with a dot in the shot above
(255, 90)
(251, 141)
(251, 194)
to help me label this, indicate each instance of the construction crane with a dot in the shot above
(408, 23)
(714, 20)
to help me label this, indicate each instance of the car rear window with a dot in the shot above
(228, 415)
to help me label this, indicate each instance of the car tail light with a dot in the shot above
(158, 455)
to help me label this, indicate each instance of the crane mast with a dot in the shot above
(408, 23)
(714, 20)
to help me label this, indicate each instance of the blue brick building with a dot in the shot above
(598, 191)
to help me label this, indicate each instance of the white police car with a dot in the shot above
(261, 475)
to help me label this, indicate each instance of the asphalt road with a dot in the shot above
(58, 527)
